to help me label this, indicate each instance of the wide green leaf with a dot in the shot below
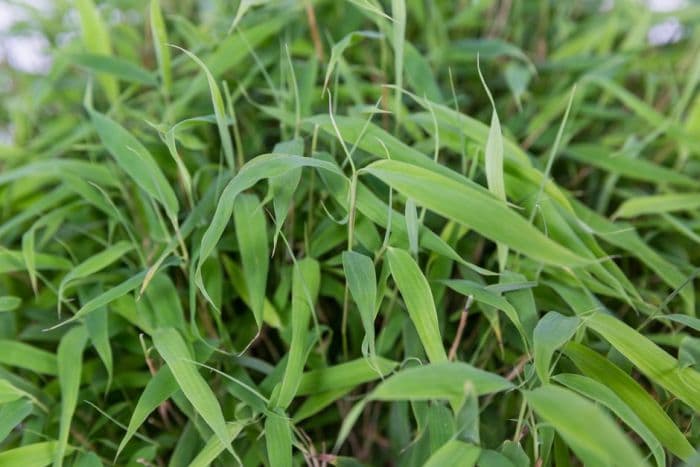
(590, 432)
(552, 331)
(305, 286)
(70, 366)
(362, 283)
(473, 208)
(134, 159)
(651, 360)
(419, 302)
(597, 367)
(174, 351)
(251, 233)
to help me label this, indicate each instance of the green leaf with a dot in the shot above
(451, 381)
(362, 282)
(398, 12)
(658, 204)
(283, 186)
(339, 48)
(412, 226)
(600, 393)
(219, 110)
(690, 321)
(455, 453)
(345, 375)
(21, 355)
(552, 332)
(12, 261)
(174, 351)
(243, 7)
(107, 297)
(305, 285)
(70, 366)
(473, 208)
(645, 111)
(651, 360)
(214, 447)
(488, 297)
(416, 294)
(9, 303)
(590, 432)
(278, 437)
(98, 329)
(251, 233)
(420, 75)
(448, 381)
(265, 166)
(160, 45)
(113, 66)
(635, 169)
(597, 367)
(12, 414)
(92, 265)
(9, 393)
(493, 164)
(31, 455)
(134, 159)
(96, 40)
(159, 389)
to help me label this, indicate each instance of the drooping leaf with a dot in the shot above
(134, 159)
(552, 331)
(174, 351)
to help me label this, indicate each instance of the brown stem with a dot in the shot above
(460, 328)
(313, 26)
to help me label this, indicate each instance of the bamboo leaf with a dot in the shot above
(552, 332)
(69, 371)
(251, 233)
(31, 455)
(647, 409)
(658, 204)
(449, 382)
(305, 286)
(214, 446)
(362, 282)
(219, 109)
(599, 393)
(160, 44)
(97, 40)
(134, 159)
(419, 302)
(493, 163)
(344, 375)
(586, 428)
(21, 355)
(651, 360)
(159, 388)
(113, 66)
(463, 204)
(92, 265)
(174, 351)
(456, 453)
(278, 436)
(9, 303)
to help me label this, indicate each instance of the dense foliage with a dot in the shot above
(319, 232)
